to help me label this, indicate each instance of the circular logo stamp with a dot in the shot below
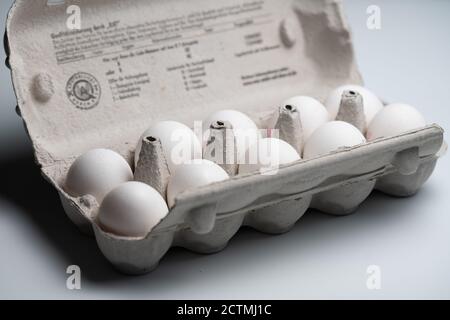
(84, 91)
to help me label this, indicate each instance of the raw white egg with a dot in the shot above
(331, 137)
(179, 142)
(192, 175)
(395, 119)
(245, 130)
(132, 210)
(372, 104)
(268, 154)
(312, 114)
(96, 173)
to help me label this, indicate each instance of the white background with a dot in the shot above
(323, 257)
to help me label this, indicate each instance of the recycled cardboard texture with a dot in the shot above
(137, 61)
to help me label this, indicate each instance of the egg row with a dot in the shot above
(132, 208)
(302, 128)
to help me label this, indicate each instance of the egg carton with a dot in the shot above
(134, 62)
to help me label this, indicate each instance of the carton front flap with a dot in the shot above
(93, 74)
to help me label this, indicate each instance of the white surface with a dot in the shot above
(323, 257)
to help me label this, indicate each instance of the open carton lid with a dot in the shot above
(136, 61)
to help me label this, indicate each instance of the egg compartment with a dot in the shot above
(205, 220)
(93, 88)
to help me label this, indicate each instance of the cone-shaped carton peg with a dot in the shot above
(289, 126)
(152, 167)
(221, 147)
(352, 110)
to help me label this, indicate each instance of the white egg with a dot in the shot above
(96, 173)
(395, 119)
(331, 137)
(132, 210)
(192, 175)
(312, 114)
(372, 104)
(268, 154)
(179, 142)
(245, 130)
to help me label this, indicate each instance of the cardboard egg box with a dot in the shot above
(134, 62)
